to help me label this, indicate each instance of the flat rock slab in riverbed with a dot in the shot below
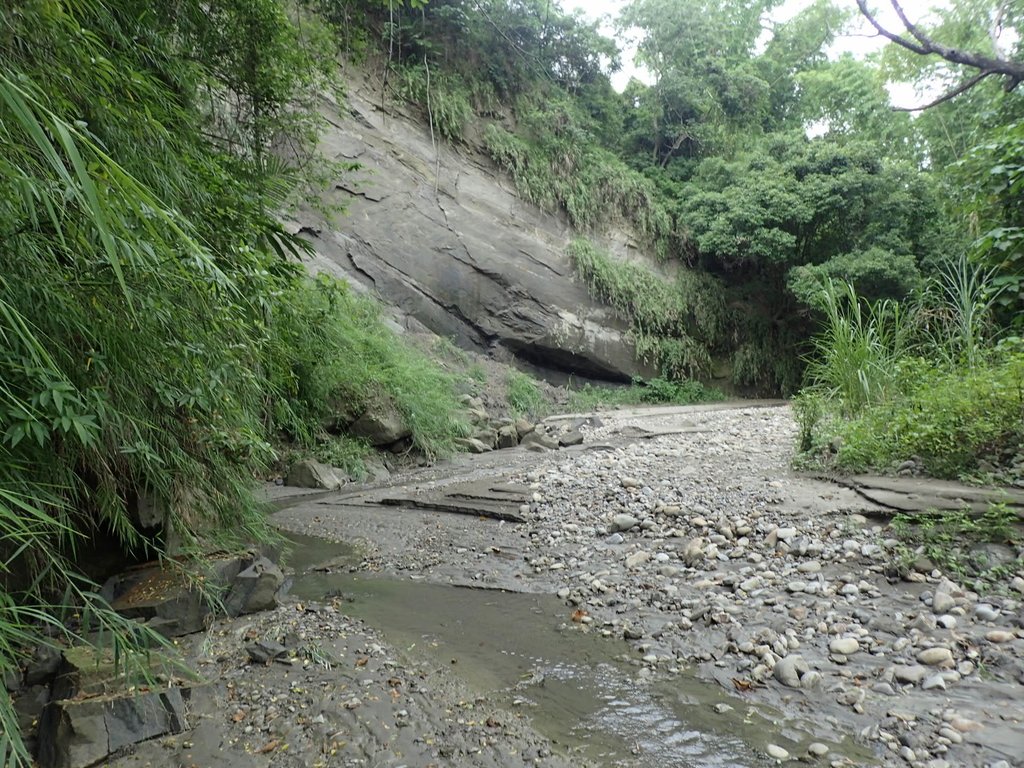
(916, 494)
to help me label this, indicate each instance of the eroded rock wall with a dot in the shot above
(439, 233)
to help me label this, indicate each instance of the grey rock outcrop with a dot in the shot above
(80, 733)
(310, 473)
(381, 424)
(440, 234)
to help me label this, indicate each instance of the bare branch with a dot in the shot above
(863, 5)
(913, 30)
(920, 43)
(964, 86)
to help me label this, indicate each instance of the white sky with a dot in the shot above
(900, 94)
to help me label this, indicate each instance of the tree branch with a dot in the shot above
(964, 86)
(921, 44)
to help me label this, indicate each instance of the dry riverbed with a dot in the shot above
(684, 599)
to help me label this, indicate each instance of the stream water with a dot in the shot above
(522, 650)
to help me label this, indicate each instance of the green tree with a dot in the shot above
(707, 89)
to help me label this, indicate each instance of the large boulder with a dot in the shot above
(439, 233)
(381, 424)
(77, 733)
(309, 473)
(254, 588)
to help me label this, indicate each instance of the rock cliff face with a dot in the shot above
(440, 234)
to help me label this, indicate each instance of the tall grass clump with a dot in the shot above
(885, 386)
(444, 97)
(856, 356)
(332, 356)
(524, 395)
(675, 325)
(960, 326)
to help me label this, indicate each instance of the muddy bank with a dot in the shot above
(683, 532)
(308, 686)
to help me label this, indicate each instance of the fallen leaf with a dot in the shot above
(742, 685)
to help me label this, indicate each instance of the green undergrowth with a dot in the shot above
(656, 391)
(524, 396)
(956, 423)
(445, 98)
(333, 355)
(556, 165)
(674, 324)
(923, 382)
(972, 548)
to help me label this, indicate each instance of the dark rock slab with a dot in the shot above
(481, 498)
(82, 732)
(475, 508)
(266, 651)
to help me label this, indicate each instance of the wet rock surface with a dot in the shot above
(684, 532)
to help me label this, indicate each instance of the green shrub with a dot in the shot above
(658, 391)
(524, 396)
(809, 409)
(331, 353)
(676, 392)
(893, 385)
(949, 418)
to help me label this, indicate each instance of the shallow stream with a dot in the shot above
(523, 651)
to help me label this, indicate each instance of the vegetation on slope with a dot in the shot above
(759, 168)
(920, 385)
(159, 335)
(710, 166)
